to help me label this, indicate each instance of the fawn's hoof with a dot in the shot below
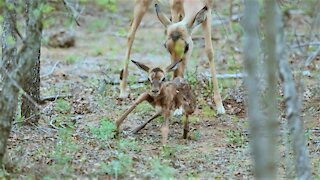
(221, 110)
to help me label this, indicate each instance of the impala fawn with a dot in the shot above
(185, 16)
(166, 96)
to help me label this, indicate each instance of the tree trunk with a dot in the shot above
(272, 123)
(8, 63)
(263, 167)
(9, 91)
(293, 106)
(31, 85)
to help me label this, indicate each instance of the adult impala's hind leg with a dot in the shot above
(140, 8)
(206, 26)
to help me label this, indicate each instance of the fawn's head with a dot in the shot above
(156, 76)
(178, 35)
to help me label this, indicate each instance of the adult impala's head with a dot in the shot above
(178, 35)
(156, 76)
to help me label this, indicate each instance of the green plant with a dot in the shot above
(63, 152)
(109, 4)
(195, 135)
(97, 25)
(98, 51)
(62, 106)
(208, 112)
(191, 78)
(122, 31)
(128, 144)
(105, 130)
(168, 151)
(71, 59)
(118, 167)
(192, 119)
(161, 169)
(144, 107)
(235, 138)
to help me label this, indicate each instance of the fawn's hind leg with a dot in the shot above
(136, 130)
(186, 127)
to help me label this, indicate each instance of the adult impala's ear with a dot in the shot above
(173, 66)
(141, 66)
(198, 19)
(162, 17)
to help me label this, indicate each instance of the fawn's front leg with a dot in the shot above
(136, 130)
(140, 99)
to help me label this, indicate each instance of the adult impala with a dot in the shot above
(185, 15)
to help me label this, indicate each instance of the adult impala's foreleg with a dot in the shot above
(206, 26)
(140, 8)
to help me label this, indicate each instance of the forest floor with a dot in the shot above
(74, 137)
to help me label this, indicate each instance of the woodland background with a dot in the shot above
(57, 108)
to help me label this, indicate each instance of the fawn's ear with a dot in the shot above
(198, 19)
(162, 17)
(173, 66)
(141, 66)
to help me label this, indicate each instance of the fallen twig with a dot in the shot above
(116, 81)
(52, 125)
(202, 37)
(226, 76)
(53, 98)
(48, 74)
(306, 44)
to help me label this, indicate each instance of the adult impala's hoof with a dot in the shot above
(124, 94)
(221, 110)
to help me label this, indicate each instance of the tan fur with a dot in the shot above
(172, 95)
(188, 9)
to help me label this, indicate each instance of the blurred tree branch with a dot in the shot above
(75, 14)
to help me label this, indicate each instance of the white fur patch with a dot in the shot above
(178, 112)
